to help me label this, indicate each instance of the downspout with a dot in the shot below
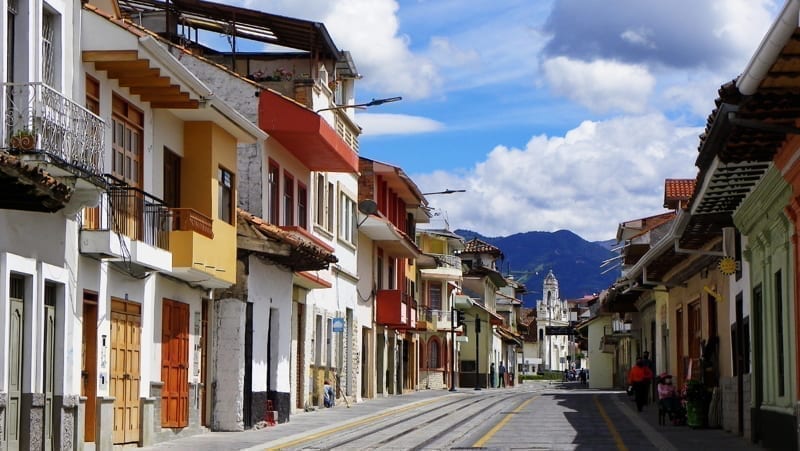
(772, 44)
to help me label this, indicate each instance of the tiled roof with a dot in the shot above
(677, 192)
(304, 255)
(476, 246)
(29, 188)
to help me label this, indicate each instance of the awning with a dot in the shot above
(305, 134)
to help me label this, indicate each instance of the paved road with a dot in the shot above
(530, 416)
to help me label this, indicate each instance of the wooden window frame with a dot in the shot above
(288, 199)
(273, 192)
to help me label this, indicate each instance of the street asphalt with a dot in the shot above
(618, 404)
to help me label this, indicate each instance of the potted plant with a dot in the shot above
(23, 139)
(694, 397)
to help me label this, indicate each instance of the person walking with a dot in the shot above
(502, 375)
(639, 377)
(329, 396)
(491, 375)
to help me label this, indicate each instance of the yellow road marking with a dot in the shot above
(486, 437)
(327, 432)
(614, 433)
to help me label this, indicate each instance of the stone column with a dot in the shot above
(66, 424)
(31, 431)
(104, 432)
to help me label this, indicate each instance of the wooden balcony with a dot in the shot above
(202, 253)
(396, 309)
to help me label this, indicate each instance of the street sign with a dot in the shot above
(559, 330)
(338, 324)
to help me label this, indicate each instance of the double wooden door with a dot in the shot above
(126, 332)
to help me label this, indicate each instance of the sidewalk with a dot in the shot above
(669, 437)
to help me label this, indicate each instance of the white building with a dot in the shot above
(552, 312)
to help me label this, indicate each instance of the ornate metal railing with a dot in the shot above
(447, 261)
(60, 127)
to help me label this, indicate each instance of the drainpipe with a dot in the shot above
(773, 42)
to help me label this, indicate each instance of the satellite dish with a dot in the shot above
(368, 207)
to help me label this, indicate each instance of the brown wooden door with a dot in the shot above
(89, 364)
(175, 364)
(126, 331)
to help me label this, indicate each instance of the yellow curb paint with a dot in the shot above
(344, 427)
(614, 433)
(486, 437)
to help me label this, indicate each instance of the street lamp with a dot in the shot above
(373, 102)
(447, 191)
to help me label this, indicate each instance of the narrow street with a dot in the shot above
(535, 415)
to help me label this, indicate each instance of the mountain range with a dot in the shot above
(575, 262)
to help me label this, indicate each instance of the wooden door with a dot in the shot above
(89, 364)
(49, 360)
(16, 345)
(126, 330)
(174, 364)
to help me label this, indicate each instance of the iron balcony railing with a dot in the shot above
(59, 127)
(131, 212)
(447, 261)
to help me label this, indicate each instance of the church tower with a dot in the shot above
(552, 312)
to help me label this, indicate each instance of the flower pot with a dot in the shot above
(695, 414)
(23, 142)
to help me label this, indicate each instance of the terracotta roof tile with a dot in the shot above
(677, 192)
(476, 246)
(305, 255)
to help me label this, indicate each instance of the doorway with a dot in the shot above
(126, 331)
(89, 364)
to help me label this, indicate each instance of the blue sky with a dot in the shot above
(551, 114)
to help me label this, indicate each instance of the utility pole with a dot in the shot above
(477, 351)
(452, 349)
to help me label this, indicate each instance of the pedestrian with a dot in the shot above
(502, 375)
(329, 396)
(582, 376)
(649, 363)
(639, 377)
(668, 399)
(491, 375)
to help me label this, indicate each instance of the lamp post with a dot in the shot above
(373, 102)
(477, 351)
(452, 349)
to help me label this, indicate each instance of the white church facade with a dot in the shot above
(552, 311)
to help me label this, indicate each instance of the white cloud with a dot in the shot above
(374, 124)
(595, 176)
(600, 85)
(640, 36)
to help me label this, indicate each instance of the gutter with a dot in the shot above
(769, 49)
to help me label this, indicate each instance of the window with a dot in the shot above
(92, 95)
(302, 205)
(435, 296)
(324, 199)
(172, 179)
(226, 201)
(273, 174)
(49, 46)
(347, 218)
(128, 127)
(288, 199)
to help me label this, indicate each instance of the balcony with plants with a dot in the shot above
(42, 124)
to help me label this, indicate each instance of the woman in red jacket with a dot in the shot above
(639, 377)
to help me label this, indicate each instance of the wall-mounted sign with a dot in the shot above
(727, 266)
(338, 324)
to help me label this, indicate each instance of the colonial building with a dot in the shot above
(552, 312)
